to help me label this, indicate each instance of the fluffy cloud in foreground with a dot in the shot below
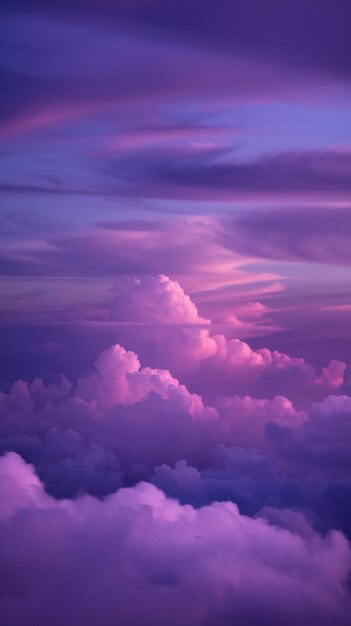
(140, 558)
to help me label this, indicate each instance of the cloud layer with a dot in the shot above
(139, 557)
(247, 473)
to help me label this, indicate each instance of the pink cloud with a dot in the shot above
(141, 558)
(209, 363)
(117, 378)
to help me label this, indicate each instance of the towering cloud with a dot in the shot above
(210, 363)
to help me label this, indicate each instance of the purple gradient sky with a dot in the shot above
(118, 121)
(175, 280)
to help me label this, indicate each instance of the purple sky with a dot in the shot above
(175, 228)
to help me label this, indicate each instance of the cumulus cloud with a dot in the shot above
(210, 363)
(247, 417)
(122, 423)
(322, 441)
(144, 554)
(76, 435)
(121, 420)
(156, 299)
(255, 482)
(140, 557)
(235, 474)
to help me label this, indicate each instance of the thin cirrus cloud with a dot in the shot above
(200, 174)
(321, 42)
(115, 71)
(317, 236)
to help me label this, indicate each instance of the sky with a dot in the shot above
(175, 372)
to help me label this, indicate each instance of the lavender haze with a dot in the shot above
(175, 385)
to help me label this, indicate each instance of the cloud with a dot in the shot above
(256, 481)
(121, 422)
(116, 68)
(211, 364)
(139, 557)
(118, 378)
(216, 174)
(154, 317)
(171, 463)
(322, 442)
(155, 298)
(234, 474)
(317, 236)
(244, 29)
(114, 425)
